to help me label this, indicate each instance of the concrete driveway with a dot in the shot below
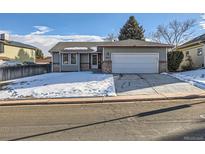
(151, 84)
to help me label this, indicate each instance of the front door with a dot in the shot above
(94, 61)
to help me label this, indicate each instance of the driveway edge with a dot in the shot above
(95, 100)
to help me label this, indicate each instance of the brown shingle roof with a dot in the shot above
(125, 43)
(136, 43)
(62, 45)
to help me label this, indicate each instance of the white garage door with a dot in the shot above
(135, 62)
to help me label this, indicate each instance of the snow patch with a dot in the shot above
(76, 48)
(53, 85)
(94, 49)
(194, 77)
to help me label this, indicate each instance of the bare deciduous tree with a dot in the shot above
(175, 32)
(111, 37)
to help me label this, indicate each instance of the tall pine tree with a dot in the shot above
(131, 30)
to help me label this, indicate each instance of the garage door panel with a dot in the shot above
(132, 55)
(135, 63)
(132, 58)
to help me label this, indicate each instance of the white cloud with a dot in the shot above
(45, 42)
(4, 31)
(202, 22)
(41, 30)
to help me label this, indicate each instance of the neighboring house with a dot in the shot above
(128, 56)
(195, 49)
(15, 50)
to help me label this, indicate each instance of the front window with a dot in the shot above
(69, 58)
(199, 52)
(73, 58)
(65, 58)
(1, 47)
(187, 53)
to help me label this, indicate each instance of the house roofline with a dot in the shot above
(140, 46)
(7, 43)
(190, 44)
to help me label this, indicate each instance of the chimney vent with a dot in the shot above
(4, 37)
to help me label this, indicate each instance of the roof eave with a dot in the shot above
(140, 46)
(190, 44)
(6, 43)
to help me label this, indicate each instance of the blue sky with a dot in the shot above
(44, 30)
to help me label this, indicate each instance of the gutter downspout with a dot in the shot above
(78, 57)
(166, 61)
(60, 60)
(203, 49)
(52, 63)
(103, 59)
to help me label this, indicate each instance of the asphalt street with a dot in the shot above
(148, 120)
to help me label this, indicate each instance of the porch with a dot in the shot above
(80, 62)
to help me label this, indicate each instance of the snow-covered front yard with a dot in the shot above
(52, 85)
(194, 77)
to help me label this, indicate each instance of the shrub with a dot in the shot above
(188, 64)
(174, 60)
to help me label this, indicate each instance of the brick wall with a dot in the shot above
(56, 68)
(84, 67)
(107, 66)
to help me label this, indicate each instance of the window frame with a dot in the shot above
(69, 56)
(187, 53)
(1, 47)
(199, 50)
(75, 59)
(67, 59)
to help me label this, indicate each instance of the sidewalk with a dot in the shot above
(48, 101)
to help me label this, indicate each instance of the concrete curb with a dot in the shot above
(93, 100)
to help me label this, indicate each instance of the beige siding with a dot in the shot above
(12, 52)
(198, 61)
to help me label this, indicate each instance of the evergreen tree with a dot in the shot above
(39, 54)
(131, 30)
(174, 60)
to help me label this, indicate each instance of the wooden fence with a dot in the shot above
(13, 72)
